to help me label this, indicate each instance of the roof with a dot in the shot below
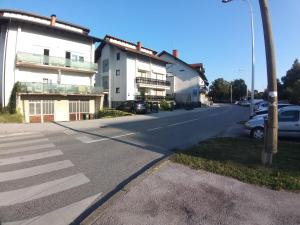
(124, 48)
(128, 42)
(17, 17)
(192, 66)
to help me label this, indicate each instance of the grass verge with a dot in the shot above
(11, 118)
(240, 158)
(111, 113)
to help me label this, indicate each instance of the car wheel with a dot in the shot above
(257, 133)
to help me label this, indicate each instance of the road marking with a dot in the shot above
(26, 158)
(42, 190)
(84, 139)
(11, 144)
(62, 216)
(27, 148)
(183, 122)
(36, 170)
(156, 128)
(16, 134)
(109, 138)
(15, 138)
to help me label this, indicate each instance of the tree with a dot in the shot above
(220, 90)
(239, 89)
(290, 83)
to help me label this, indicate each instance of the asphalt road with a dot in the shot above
(51, 177)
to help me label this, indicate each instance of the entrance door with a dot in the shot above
(74, 110)
(68, 59)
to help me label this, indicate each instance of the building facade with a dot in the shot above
(188, 82)
(128, 71)
(53, 63)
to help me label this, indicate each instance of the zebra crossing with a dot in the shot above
(26, 155)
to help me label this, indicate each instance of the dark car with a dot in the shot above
(133, 107)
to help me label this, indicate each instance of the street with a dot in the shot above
(52, 176)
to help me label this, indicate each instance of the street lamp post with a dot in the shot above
(253, 54)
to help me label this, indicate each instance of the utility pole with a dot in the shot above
(271, 136)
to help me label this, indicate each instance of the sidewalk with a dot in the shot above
(176, 195)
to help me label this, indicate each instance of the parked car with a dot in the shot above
(258, 105)
(244, 103)
(264, 110)
(288, 123)
(133, 107)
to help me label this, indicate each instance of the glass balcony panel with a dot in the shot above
(44, 88)
(30, 58)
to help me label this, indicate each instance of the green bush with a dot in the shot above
(110, 113)
(164, 105)
(12, 107)
(11, 118)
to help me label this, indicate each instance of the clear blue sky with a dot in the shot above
(202, 30)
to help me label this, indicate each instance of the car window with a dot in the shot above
(289, 116)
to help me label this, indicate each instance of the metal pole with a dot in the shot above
(253, 55)
(253, 58)
(272, 125)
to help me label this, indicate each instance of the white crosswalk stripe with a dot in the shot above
(27, 148)
(62, 216)
(22, 144)
(20, 137)
(36, 170)
(26, 158)
(38, 191)
(18, 143)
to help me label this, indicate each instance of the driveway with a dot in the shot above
(51, 173)
(176, 195)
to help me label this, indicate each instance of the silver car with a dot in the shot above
(288, 123)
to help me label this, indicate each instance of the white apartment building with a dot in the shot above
(188, 81)
(53, 61)
(127, 70)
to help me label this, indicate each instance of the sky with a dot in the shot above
(207, 31)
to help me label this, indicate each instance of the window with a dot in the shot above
(118, 56)
(77, 58)
(105, 83)
(117, 72)
(81, 59)
(117, 90)
(48, 107)
(142, 73)
(289, 116)
(46, 56)
(79, 106)
(105, 65)
(84, 106)
(34, 107)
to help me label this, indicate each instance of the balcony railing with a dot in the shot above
(154, 98)
(61, 89)
(52, 61)
(144, 80)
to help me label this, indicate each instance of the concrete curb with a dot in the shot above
(98, 212)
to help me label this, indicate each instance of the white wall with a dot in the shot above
(25, 38)
(185, 78)
(129, 65)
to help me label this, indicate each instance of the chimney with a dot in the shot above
(53, 20)
(175, 53)
(139, 46)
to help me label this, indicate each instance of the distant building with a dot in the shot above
(188, 81)
(54, 62)
(128, 71)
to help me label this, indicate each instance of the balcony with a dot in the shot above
(51, 62)
(153, 83)
(58, 89)
(154, 98)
